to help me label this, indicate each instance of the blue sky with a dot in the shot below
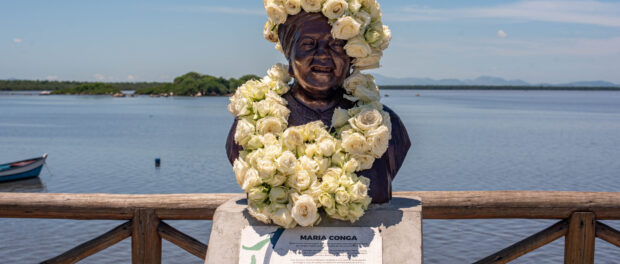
(533, 40)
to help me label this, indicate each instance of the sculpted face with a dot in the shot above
(317, 60)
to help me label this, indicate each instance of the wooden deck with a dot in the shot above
(578, 213)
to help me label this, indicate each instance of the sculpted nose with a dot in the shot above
(323, 50)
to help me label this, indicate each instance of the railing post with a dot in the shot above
(579, 245)
(145, 240)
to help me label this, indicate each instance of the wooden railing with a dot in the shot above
(579, 213)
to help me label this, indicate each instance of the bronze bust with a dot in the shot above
(319, 64)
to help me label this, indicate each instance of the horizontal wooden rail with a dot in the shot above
(437, 205)
(580, 211)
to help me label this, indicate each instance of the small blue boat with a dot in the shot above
(24, 169)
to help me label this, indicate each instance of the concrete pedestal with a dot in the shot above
(400, 224)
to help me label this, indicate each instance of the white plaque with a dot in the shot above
(316, 245)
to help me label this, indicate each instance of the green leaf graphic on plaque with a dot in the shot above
(258, 246)
(253, 259)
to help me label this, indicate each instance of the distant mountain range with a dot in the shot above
(482, 80)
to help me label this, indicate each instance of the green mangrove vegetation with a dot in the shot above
(89, 89)
(29, 85)
(195, 84)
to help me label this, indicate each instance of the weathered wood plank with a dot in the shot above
(93, 246)
(109, 206)
(516, 204)
(579, 245)
(145, 241)
(608, 234)
(182, 240)
(437, 205)
(527, 245)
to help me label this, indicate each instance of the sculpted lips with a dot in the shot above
(322, 69)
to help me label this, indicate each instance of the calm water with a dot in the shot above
(462, 140)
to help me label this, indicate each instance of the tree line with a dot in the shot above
(189, 84)
(192, 84)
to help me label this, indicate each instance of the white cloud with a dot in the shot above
(51, 77)
(589, 12)
(17, 40)
(131, 77)
(99, 77)
(502, 34)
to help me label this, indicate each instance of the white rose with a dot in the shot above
(347, 180)
(342, 212)
(357, 48)
(354, 6)
(270, 31)
(364, 18)
(370, 62)
(293, 7)
(309, 164)
(338, 158)
(333, 9)
(365, 161)
(387, 37)
(352, 165)
(346, 28)
(354, 142)
(342, 196)
(271, 139)
(239, 105)
(374, 34)
(283, 218)
(355, 211)
(240, 167)
(266, 168)
(358, 191)
(327, 200)
(378, 139)
(292, 138)
(280, 73)
(305, 211)
(278, 195)
(372, 7)
(340, 117)
(244, 131)
(276, 13)
(258, 194)
(276, 180)
(311, 149)
(314, 191)
(300, 180)
(312, 130)
(251, 180)
(287, 162)
(270, 125)
(366, 120)
(255, 142)
(330, 180)
(355, 80)
(260, 213)
(311, 5)
(368, 93)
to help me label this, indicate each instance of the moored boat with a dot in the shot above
(23, 169)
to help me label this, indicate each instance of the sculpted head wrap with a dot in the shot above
(287, 31)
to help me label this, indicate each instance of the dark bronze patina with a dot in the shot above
(319, 66)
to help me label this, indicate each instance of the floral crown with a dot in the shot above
(357, 21)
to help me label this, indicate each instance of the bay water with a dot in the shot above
(462, 140)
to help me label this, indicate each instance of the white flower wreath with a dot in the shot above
(292, 173)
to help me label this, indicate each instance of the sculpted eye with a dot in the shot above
(338, 45)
